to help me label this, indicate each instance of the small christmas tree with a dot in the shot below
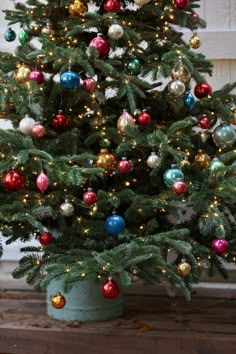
(116, 135)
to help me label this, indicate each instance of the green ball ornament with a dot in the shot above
(134, 67)
(215, 164)
(23, 37)
(224, 136)
(172, 174)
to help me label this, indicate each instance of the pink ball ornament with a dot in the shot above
(195, 18)
(202, 90)
(101, 44)
(124, 166)
(42, 182)
(219, 245)
(37, 76)
(179, 186)
(181, 4)
(90, 197)
(38, 130)
(89, 84)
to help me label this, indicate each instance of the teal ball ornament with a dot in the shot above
(9, 35)
(23, 37)
(114, 224)
(70, 79)
(224, 136)
(172, 174)
(134, 67)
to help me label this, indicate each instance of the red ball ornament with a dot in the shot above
(181, 4)
(13, 181)
(90, 197)
(110, 289)
(112, 6)
(202, 90)
(37, 76)
(101, 44)
(89, 84)
(144, 118)
(38, 130)
(179, 186)
(204, 123)
(219, 245)
(60, 120)
(45, 238)
(124, 166)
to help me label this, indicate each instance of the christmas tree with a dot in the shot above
(120, 159)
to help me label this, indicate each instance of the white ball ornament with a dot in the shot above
(67, 209)
(177, 87)
(153, 160)
(26, 125)
(141, 2)
(115, 31)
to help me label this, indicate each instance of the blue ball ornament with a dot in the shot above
(189, 100)
(9, 35)
(70, 79)
(172, 174)
(224, 136)
(115, 224)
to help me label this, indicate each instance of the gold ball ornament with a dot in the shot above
(202, 159)
(184, 268)
(107, 161)
(233, 118)
(78, 8)
(21, 74)
(58, 301)
(182, 74)
(195, 42)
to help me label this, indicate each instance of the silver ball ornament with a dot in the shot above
(153, 160)
(67, 209)
(141, 2)
(224, 136)
(177, 87)
(26, 125)
(115, 31)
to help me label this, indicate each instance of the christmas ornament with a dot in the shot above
(224, 136)
(106, 161)
(233, 119)
(78, 8)
(36, 75)
(48, 29)
(90, 197)
(89, 84)
(189, 100)
(70, 79)
(46, 238)
(21, 74)
(153, 160)
(202, 90)
(176, 87)
(172, 174)
(202, 159)
(58, 301)
(204, 122)
(124, 120)
(114, 224)
(195, 41)
(179, 186)
(144, 118)
(182, 74)
(9, 35)
(60, 120)
(141, 2)
(181, 4)
(219, 245)
(23, 37)
(195, 18)
(115, 31)
(38, 130)
(26, 125)
(184, 268)
(66, 208)
(42, 182)
(110, 289)
(215, 165)
(134, 67)
(112, 5)
(13, 181)
(124, 166)
(102, 46)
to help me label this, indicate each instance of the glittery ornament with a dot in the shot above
(26, 125)
(181, 4)
(67, 208)
(202, 159)
(115, 32)
(112, 6)
(70, 79)
(202, 90)
(124, 166)
(124, 120)
(78, 8)
(90, 197)
(36, 75)
(21, 74)
(184, 268)
(9, 35)
(46, 238)
(114, 224)
(106, 161)
(176, 87)
(195, 42)
(224, 136)
(60, 120)
(42, 182)
(38, 130)
(58, 301)
(89, 84)
(179, 186)
(153, 160)
(110, 289)
(102, 46)
(13, 181)
(182, 74)
(219, 245)
(144, 118)
(204, 122)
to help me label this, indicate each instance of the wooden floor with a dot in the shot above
(152, 324)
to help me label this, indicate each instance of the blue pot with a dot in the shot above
(84, 302)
